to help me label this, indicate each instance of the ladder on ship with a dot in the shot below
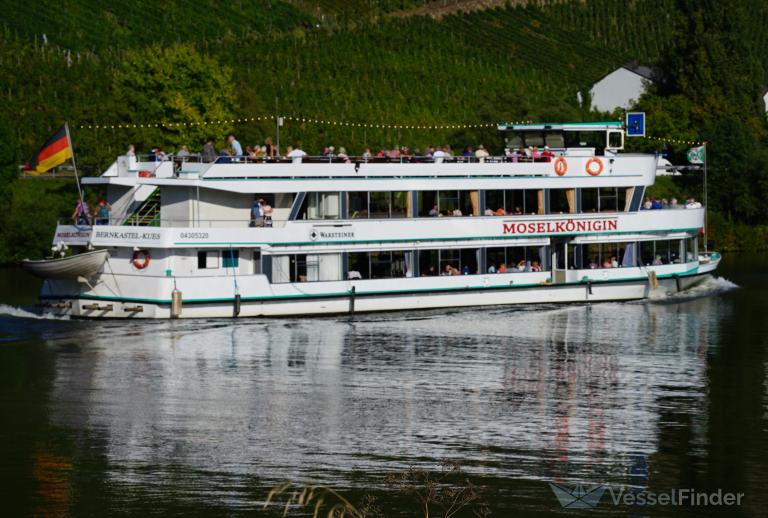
(148, 213)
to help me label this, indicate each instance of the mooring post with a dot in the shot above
(352, 301)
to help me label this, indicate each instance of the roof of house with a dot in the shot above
(634, 67)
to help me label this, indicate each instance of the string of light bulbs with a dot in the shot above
(292, 118)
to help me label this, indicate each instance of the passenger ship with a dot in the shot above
(363, 235)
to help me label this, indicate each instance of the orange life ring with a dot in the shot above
(140, 263)
(561, 166)
(588, 167)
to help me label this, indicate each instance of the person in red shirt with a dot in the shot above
(547, 155)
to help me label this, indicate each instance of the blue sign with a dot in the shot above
(636, 124)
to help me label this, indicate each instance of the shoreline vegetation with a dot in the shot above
(363, 62)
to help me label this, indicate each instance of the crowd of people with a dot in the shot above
(233, 151)
(83, 215)
(659, 204)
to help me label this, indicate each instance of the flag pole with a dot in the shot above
(74, 164)
(706, 204)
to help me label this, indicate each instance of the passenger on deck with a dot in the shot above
(691, 203)
(518, 211)
(343, 154)
(367, 154)
(513, 155)
(237, 149)
(657, 261)
(456, 212)
(593, 264)
(271, 150)
(535, 153)
(656, 204)
(434, 212)
(102, 212)
(673, 204)
(432, 272)
(488, 212)
(209, 152)
(353, 274)
(647, 204)
(607, 263)
(481, 154)
(503, 268)
(547, 155)
(225, 157)
(535, 266)
(465, 270)
(614, 262)
(522, 265)
(183, 151)
(81, 213)
(131, 151)
(266, 208)
(491, 269)
(297, 154)
(257, 214)
(501, 212)
(440, 155)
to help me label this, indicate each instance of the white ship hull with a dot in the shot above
(369, 297)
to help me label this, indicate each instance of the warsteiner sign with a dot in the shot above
(565, 226)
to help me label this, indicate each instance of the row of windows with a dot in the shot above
(397, 204)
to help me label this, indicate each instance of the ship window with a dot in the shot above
(554, 139)
(257, 262)
(379, 205)
(513, 201)
(437, 262)
(512, 257)
(604, 199)
(320, 205)
(358, 205)
(378, 265)
(615, 140)
(207, 259)
(230, 258)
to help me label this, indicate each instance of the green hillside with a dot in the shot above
(353, 62)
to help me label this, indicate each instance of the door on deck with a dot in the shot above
(559, 250)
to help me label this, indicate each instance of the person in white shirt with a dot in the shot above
(482, 153)
(237, 149)
(692, 204)
(296, 155)
(440, 155)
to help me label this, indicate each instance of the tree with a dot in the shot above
(174, 91)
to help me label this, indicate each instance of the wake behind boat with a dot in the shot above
(299, 235)
(85, 265)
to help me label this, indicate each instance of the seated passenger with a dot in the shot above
(491, 269)
(353, 274)
(657, 261)
(457, 212)
(607, 263)
(547, 155)
(434, 212)
(535, 266)
(450, 270)
(503, 268)
(673, 204)
(593, 264)
(465, 270)
(656, 204)
(518, 212)
(501, 212)
(614, 262)
(488, 212)
(647, 204)
(432, 272)
(522, 265)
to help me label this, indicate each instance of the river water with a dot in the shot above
(205, 417)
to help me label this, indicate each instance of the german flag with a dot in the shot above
(55, 151)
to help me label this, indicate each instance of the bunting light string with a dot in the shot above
(298, 119)
(676, 141)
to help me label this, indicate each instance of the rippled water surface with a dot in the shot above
(205, 416)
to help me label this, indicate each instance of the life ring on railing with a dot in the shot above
(561, 166)
(590, 170)
(140, 259)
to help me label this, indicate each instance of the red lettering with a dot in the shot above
(509, 228)
(540, 228)
(559, 227)
(531, 228)
(613, 224)
(581, 226)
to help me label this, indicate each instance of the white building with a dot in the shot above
(621, 87)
